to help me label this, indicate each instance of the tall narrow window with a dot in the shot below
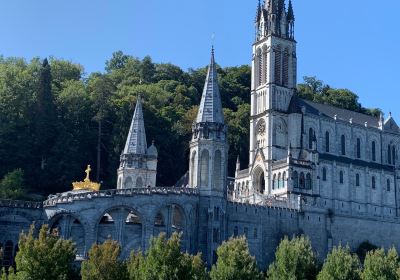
(278, 65)
(357, 180)
(302, 180)
(343, 145)
(295, 179)
(388, 185)
(218, 185)
(286, 68)
(260, 68)
(204, 168)
(284, 180)
(279, 181)
(310, 138)
(308, 182)
(373, 181)
(393, 155)
(389, 155)
(373, 151)
(327, 142)
(324, 174)
(341, 177)
(274, 182)
(358, 148)
(264, 60)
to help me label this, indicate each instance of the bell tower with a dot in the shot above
(274, 77)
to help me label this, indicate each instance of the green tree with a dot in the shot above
(103, 263)
(381, 266)
(340, 264)
(47, 257)
(235, 262)
(12, 185)
(147, 70)
(294, 259)
(165, 260)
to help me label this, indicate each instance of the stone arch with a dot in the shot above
(139, 182)
(259, 180)
(204, 168)
(128, 184)
(193, 169)
(121, 223)
(171, 218)
(217, 176)
(69, 226)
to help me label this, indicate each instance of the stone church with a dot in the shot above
(326, 172)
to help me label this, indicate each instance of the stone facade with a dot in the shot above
(326, 172)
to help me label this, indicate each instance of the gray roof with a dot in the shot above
(136, 141)
(331, 111)
(210, 109)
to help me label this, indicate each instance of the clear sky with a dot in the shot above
(351, 44)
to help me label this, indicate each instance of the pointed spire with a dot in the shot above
(259, 11)
(210, 109)
(290, 13)
(136, 141)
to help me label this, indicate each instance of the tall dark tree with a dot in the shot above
(46, 121)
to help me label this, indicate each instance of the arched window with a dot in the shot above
(217, 171)
(279, 181)
(327, 142)
(343, 145)
(308, 182)
(302, 180)
(388, 187)
(389, 155)
(284, 180)
(193, 170)
(373, 151)
(373, 181)
(129, 183)
(324, 174)
(274, 182)
(341, 177)
(278, 65)
(358, 152)
(286, 68)
(139, 182)
(310, 138)
(260, 68)
(204, 168)
(295, 179)
(264, 60)
(393, 155)
(357, 180)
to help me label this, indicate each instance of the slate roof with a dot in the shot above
(136, 141)
(330, 112)
(210, 109)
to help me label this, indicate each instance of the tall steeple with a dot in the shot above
(210, 109)
(209, 148)
(136, 142)
(138, 164)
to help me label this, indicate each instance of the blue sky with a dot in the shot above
(351, 44)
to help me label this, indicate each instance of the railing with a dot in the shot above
(71, 196)
(21, 204)
(269, 201)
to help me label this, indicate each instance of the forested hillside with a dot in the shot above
(55, 118)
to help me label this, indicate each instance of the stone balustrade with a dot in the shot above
(21, 204)
(72, 196)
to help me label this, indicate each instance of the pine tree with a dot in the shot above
(378, 265)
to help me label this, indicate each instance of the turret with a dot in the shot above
(208, 148)
(138, 164)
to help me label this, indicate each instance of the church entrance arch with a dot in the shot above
(259, 180)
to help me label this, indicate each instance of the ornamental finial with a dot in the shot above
(86, 184)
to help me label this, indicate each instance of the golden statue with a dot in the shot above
(86, 184)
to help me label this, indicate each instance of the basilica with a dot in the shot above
(325, 172)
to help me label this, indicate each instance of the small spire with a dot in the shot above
(136, 141)
(210, 109)
(290, 13)
(238, 163)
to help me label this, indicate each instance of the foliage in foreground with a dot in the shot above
(47, 257)
(165, 260)
(294, 259)
(381, 266)
(103, 263)
(340, 264)
(235, 262)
